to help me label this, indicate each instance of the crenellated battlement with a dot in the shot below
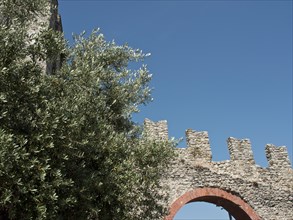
(198, 146)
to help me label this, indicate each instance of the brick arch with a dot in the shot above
(239, 209)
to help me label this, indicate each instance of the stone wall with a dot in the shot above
(55, 23)
(52, 20)
(268, 191)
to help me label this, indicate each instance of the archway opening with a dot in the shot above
(202, 211)
(238, 208)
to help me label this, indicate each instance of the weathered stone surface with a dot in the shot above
(52, 20)
(156, 130)
(266, 192)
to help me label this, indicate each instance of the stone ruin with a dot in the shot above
(246, 190)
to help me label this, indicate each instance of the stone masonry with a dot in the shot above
(243, 188)
(51, 20)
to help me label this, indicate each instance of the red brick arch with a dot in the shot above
(239, 209)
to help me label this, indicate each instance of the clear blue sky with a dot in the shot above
(220, 66)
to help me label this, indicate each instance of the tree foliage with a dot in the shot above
(68, 146)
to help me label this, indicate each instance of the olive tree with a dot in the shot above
(68, 146)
